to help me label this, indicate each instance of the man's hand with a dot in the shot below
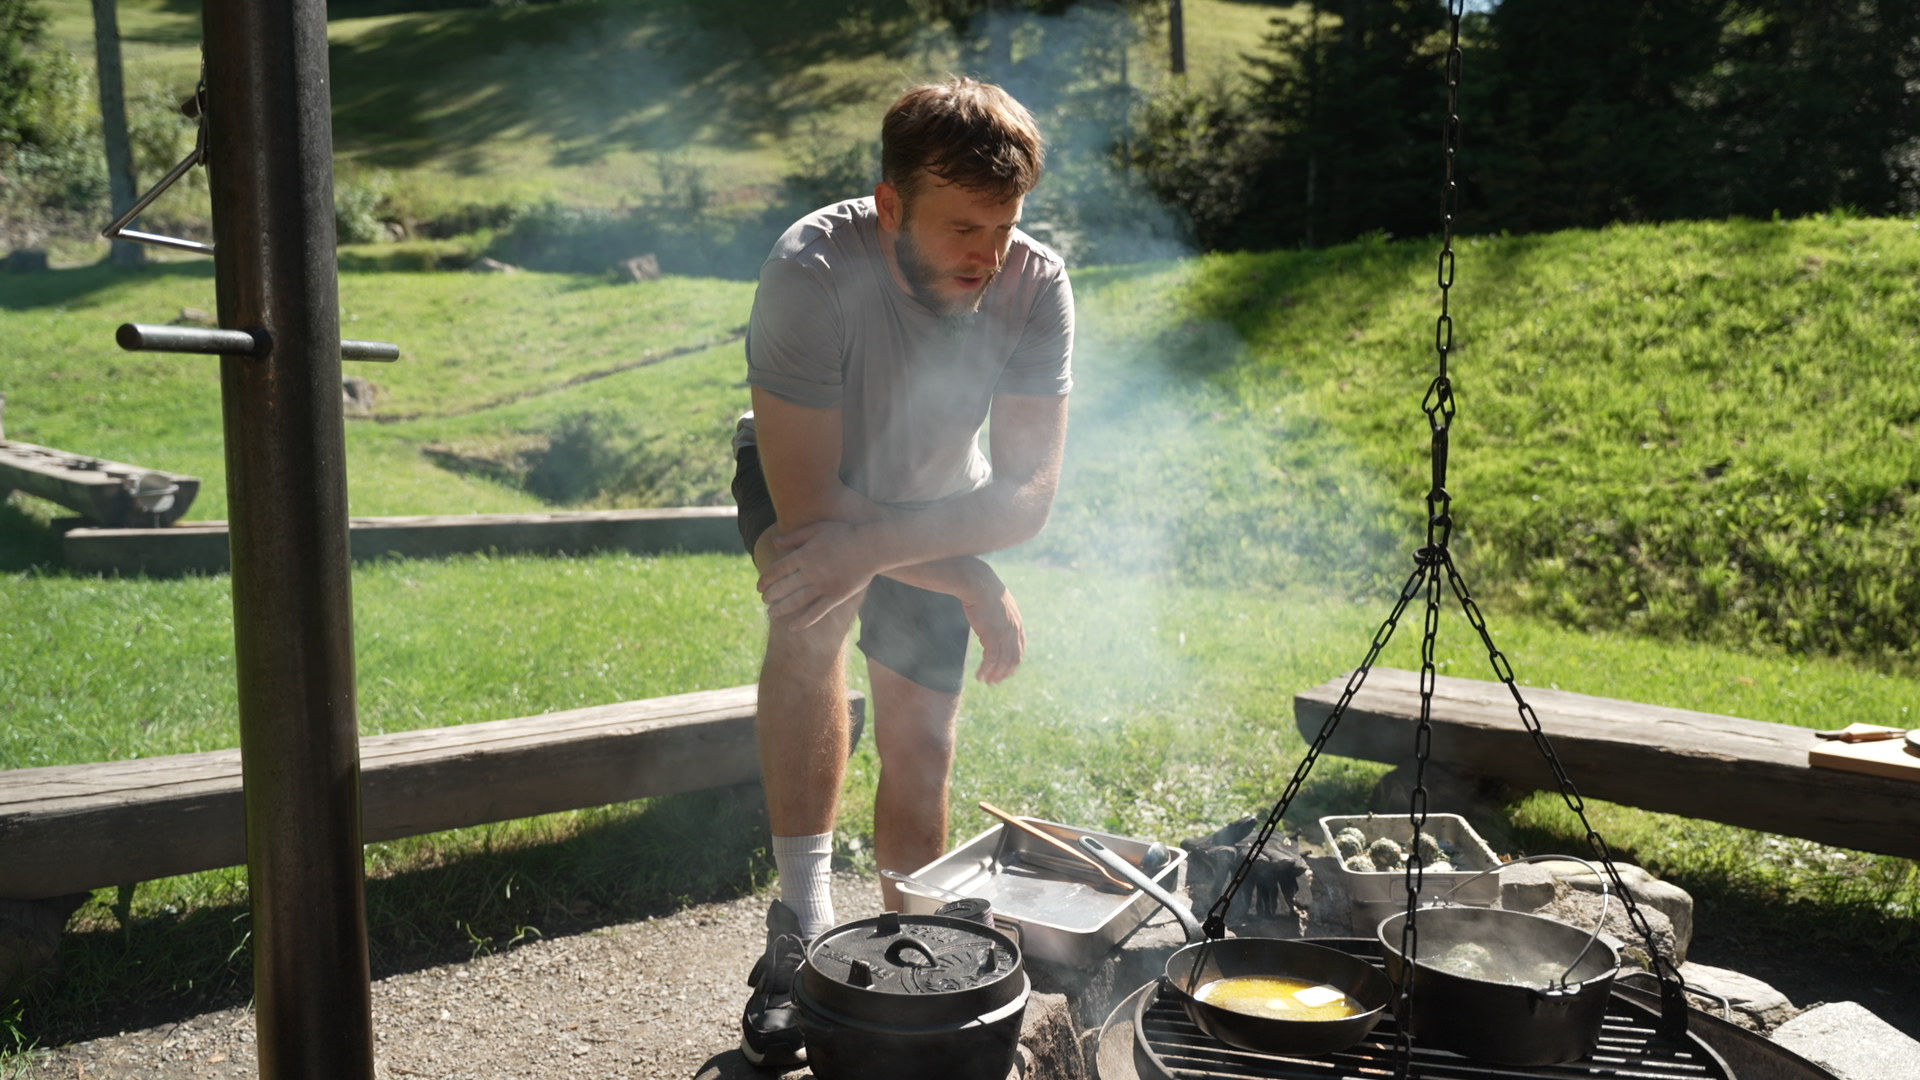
(995, 619)
(822, 569)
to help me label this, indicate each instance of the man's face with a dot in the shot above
(950, 243)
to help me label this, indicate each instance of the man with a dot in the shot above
(884, 333)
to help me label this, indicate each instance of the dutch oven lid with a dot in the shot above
(914, 954)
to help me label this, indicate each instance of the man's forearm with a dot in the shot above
(995, 517)
(962, 576)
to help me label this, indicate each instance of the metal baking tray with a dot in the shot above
(1056, 914)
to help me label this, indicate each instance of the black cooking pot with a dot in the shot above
(1539, 1021)
(1201, 962)
(912, 995)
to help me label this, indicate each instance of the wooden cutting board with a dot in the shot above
(1888, 758)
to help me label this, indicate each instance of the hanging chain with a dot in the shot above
(1216, 922)
(1432, 561)
(1438, 405)
(1672, 984)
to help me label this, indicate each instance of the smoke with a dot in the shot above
(1080, 73)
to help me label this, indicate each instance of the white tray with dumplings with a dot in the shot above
(1378, 893)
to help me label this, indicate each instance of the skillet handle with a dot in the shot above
(1145, 884)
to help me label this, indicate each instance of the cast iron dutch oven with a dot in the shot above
(1271, 957)
(912, 995)
(1535, 1021)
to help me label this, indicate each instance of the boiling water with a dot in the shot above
(1279, 998)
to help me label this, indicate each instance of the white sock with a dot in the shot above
(806, 870)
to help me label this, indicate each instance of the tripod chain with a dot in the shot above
(1671, 982)
(1216, 921)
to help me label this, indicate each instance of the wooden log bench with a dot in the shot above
(69, 828)
(110, 493)
(200, 547)
(1698, 765)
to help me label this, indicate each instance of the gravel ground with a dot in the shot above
(661, 998)
(658, 998)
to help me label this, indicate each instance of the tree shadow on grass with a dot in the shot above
(24, 292)
(597, 78)
(458, 895)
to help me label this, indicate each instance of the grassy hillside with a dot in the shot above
(607, 104)
(493, 365)
(1695, 430)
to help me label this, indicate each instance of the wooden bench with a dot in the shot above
(200, 547)
(69, 828)
(1698, 765)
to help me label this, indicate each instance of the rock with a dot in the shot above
(1526, 886)
(193, 316)
(1756, 1006)
(1850, 1042)
(1049, 1045)
(26, 261)
(30, 939)
(360, 395)
(641, 268)
(1140, 958)
(1330, 905)
(485, 265)
(1648, 891)
(1582, 910)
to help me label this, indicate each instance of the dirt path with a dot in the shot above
(659, 998)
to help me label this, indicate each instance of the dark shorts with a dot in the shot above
(913, 632)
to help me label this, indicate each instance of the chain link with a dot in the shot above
(1672, 984)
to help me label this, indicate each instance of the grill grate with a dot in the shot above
(1169, 1046)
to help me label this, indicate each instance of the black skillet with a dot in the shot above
(1270, 957)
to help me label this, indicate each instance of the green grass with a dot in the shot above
(602, 103)
(1243, 477)
(468, 341)
(1692, 430)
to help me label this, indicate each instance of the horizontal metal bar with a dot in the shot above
(384, 351)
(141, 337)
(157, 240)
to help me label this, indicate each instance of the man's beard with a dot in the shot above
(923, 279)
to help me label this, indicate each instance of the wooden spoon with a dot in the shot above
(1058, 844)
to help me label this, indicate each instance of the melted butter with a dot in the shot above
(1279, 998)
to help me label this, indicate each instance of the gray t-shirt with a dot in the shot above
(832, 329)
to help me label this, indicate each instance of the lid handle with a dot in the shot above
(910, 942)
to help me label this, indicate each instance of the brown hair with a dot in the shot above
(962, 131)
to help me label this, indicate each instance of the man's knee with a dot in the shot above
(823, 642)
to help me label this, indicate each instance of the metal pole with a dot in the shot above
(270, 150)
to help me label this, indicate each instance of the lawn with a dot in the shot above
(1243, 480)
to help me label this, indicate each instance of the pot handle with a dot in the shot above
(1146, 885)
(906, 942)
(1605, 898)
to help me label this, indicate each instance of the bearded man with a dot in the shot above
(885, 332)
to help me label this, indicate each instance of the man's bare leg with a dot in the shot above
(913, 730)
(801, 724)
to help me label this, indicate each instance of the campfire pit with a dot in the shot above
(1149, 1037)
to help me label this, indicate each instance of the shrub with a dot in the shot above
(357, 202)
